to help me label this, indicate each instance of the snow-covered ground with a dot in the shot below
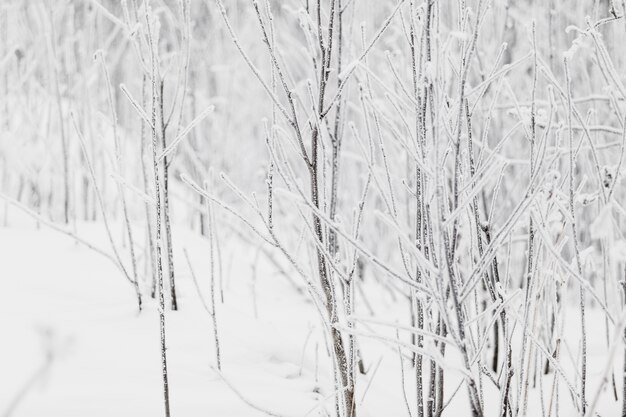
(73, 343)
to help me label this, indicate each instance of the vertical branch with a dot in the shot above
(583, 370)
(166, 201)
(146, 188)
(421, 96)
(529, 282)
(154, 78)
(336, 136)
(623, 283)
(340, 354)
(212, 242)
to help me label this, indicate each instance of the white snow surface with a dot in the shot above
(73, 343)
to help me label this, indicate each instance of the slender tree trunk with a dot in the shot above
(624, 365)
(166, 207)
(157, 187)
(146, 187)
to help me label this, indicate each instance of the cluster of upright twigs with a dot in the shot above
(461, 156)
(487, 209)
